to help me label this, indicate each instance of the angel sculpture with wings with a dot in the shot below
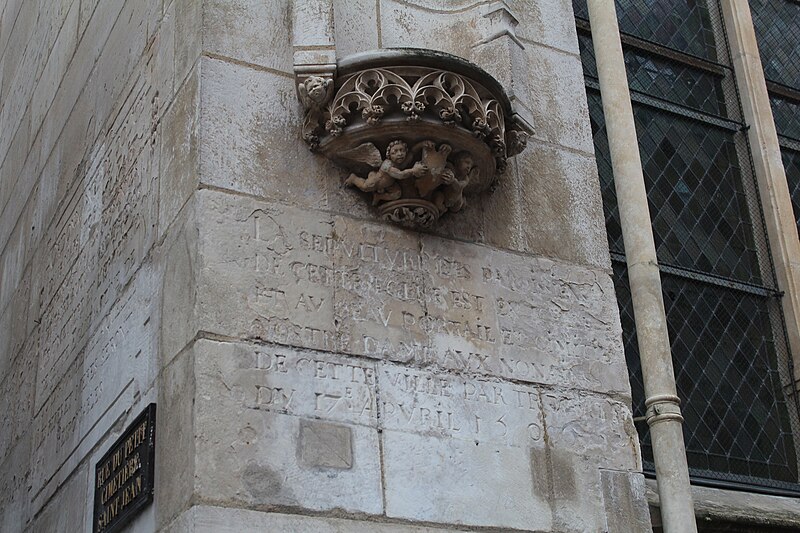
(455, 178)
(315, 93)
(382, 182)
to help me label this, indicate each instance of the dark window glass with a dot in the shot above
(722, 311)
(699, 211)
(791, 163)
(682, 25)
(737, 425)
(786, 113)
(777, 25)
(726, 372)
(664, 78)
(674, 81)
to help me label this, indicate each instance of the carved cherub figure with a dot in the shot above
(383, 181)
(436, 163)
(315, 93)
(451, 196)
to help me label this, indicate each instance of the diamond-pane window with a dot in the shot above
(664, 78)
(682, 25)
(722, 309)
(699, 211)
(777, 25)
(786, 113)
(791, 162)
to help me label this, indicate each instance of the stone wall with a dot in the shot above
(97, 104)
(168, 238)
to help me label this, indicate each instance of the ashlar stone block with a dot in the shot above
(460, 482)
(208, 519)
(257, 443)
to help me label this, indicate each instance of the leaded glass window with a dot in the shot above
(777, 25)
(722, 306)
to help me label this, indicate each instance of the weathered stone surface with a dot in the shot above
(356, 27)
(15, 324)
(450, 480)
(254, 445)
(460, 407)
(251, 125)
(175, 432)
(557, 101)
(207, 519)
(405, 22)
(236, 29)
(548, 23)
(323, 445)
(114, 367)
(17, 390)
(625, 502)
(561, 205)
(165, 237)
(593, 426)
(451, 433)
(572, 488)
(177, 259)
(67, 511)
(14, 479)
(180, 147)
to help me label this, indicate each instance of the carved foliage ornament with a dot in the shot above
(416, 138)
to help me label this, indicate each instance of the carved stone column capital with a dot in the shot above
(419, 130)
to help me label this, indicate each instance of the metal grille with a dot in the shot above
(723, 312)
(777, 25)
(699, 212)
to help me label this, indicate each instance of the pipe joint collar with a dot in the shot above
(663, 408)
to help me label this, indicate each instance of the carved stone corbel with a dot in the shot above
(419, 130)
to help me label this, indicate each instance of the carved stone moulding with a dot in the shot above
(419, 130)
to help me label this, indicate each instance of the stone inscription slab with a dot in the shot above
(382, 394)
(429, 402)
(286, 276)
(124, 476)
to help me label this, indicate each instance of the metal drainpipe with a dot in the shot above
(663, 410)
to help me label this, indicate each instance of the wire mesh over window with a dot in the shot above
(664, 78)
(737, 424)
(722, 309)
(791, 162)
(777, 25)
(786, 113)
(682, 25)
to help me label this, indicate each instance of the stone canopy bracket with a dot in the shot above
(419, 130)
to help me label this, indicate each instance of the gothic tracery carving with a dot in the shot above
(417, 139)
